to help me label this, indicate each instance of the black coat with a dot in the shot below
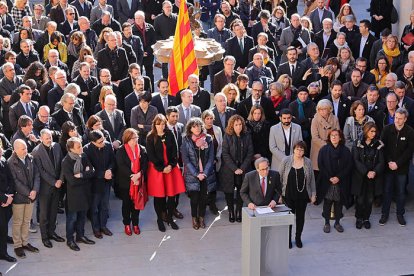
(86, 86)
(298, 74)
(228, 113)
(104, 61)
(202, 99)
(102, 160)
(155, 150)
(243, 109)
(78, 190)
(61, 117)
(6, 180)
(368, 158)
(157, 102)
(330, 166)
(233, 48)
(260, 139)
(343, 109)
(309, 108)
(381, 7)
(123, 165)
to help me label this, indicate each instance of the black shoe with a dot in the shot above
(290, 245)
(298, 242)
(401, 220)
(173, 225)
(161, 225)
(8, 258)
(106, 231)
(72, 245)
(60, 211)
(214, 210)
(358, 223)
(85, 240)
(30, 248)
(9, 240)
(178, 214)
(20, 252)
(47, 243)
(238, 216)
(231, 216)
(338, 227)
(327, 228)
(383, 220)
(57, 238)
(367, 224)
(97, 234)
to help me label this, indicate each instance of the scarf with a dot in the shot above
(201, 144)
(77, 167)
(256, 126)
(339, 46)
(275, 101)
(301, 115)
(142, 31)
(296, 32)
(135, 168)
(390, 54)
(74, 50)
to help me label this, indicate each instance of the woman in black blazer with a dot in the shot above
(237, 157)
(132, 163)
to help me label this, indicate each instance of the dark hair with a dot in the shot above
(23, 88)
(23, 121)
(300, 144)
(366, 22)
(291, 48)
(67, 127)
(387, 68)
(361, 59)
(230, 126)
(336, 82)
(367, 127)
(145, 97)
(341, 136)
(95, 135)
(386, 32)
(93, 119)
(55, 36)
(128, 134)
(303, 89)
(160, 81)
(285, 111)
(195, 121)
(159, 118)
(31, 83)
(126, 25)
(356, 70)
(170, 110)
(70, 143)
(31, 73)
(354, 106)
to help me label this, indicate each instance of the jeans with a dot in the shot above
(391, 180)
(75, 221)
(100, 208)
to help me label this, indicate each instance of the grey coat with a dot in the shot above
(49, 172)
(286, 38)
(139, 118)
(190, 159)
(26, 178)
(228, 159)
(285, 168)
(96, 12)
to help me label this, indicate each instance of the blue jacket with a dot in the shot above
(208, 11)
(191, 169)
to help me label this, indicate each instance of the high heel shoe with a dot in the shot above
(161, 225)
(201, 222)
(231, 216)
(128, 230)
(137, 231)
(195, 224)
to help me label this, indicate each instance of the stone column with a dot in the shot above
(404, 8)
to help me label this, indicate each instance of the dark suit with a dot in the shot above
(343, 109)
(53, 97)
(6, 187)
(220, 80)
(65, 28)
(284, 68)
(202, 99)
(366, 53)
(96, 91)
(408, 104)
(130, 102)
(367, 78)
(119, 121)
(157, 102)
(17, 110)
(271, 34)
(51, 125)
(254, 50)
(233, 48)
(49, 165)
(125, 12)
(61, 116)
(86, 10)
(349, 91)
(228, 113)
(86, 86)
(316, 21)
(376, 113)
(135, 42)
(244, 107)
(251, 190)
(57, 14)
(105, 61)
(324, 50)
(9, 24)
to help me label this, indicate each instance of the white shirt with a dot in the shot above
(287, 132)
(335, 105)
(254, 101)
(362, 44)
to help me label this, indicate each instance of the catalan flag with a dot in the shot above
(182, 61)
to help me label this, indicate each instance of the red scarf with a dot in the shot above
(135, 168)
(276, 102)
(200, 143)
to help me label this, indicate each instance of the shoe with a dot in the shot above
(9, 240)
(20, 252)
(137, 231)
(158, 65)
(178, 214)
(106, 231)
(72, 245)
(238, 216)
(8, 258)
(338, 227)
(47, 243)
(85, 240)
(359, 223)
(32, 228)
(30, 248)
(298, 242)
(60, 211)
(213, 209)
(401, 220)
(383, 220)
(161, 225)
(128, 230)
(231, 216)
(97, 234)
(327, 228)
(367, 224)
(57, 238)
(195, 223)
(201, 222)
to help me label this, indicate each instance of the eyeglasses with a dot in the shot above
(72, 13)
(314, 85)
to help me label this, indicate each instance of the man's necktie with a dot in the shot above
(28, 112)
(165, 103)
(293, 70)
(241, 44)
(112, 120)
(263, 186)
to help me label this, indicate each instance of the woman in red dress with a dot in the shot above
(165, 179)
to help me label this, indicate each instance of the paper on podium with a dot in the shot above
(263, 210)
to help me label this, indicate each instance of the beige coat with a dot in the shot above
(319, 131)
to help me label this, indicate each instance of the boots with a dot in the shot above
(238, 211)
(170, 221)
(231, 215)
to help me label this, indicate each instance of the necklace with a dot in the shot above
(297, 182)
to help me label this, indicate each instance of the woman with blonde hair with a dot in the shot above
(345, 10)
(105, 91)
(103, 36)
(20, 9)
(233, 95)
(77, 42)
(83, 52)
(288, 89)
(346, 62)
(391, 50)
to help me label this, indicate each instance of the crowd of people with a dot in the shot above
(306, 109)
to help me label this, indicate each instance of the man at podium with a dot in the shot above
(261, 187)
